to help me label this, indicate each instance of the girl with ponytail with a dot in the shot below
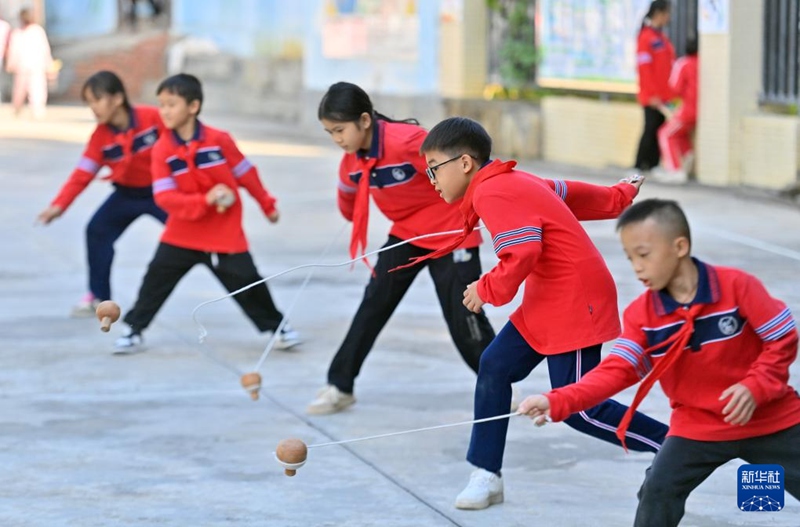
(382, 162)
(122, 141)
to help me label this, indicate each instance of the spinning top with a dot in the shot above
(291, 454)
(107, 313)
(252, 383)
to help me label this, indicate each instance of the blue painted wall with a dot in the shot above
(246, 28)
(292, 28)
(80, 18)
(386, 77)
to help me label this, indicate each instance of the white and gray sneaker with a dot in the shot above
(86, 307)
(129, 342)
(288, 339)
(330, 400)
(485, 488)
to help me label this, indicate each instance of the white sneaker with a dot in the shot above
(288, 339)
(687, 163)
(516, 397)
(86, 307)
(670, 177)
(129, 342)
(485, 488)
(330, 400)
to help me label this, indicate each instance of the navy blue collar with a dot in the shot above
(131, 123)
(375, 146)
(198, 134)
(707, 291)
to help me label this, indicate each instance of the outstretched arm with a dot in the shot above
(626, 365)
(247, 177)
(597, 202)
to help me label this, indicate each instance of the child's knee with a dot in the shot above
(657, 489)
(95, 230)
(493, 364)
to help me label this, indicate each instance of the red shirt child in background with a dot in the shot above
(654, 56)
(123, 142)
(721, 347)
(197, 171)
(675, 137)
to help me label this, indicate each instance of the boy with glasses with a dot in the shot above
(569, 307)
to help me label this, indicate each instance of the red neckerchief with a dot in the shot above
(358, 236)
(678, 343)
(495, 168)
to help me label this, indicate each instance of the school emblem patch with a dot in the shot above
(728, 325)
(399, 174)
(213, 156)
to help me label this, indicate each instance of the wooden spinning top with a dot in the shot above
(107, 313)
(291, 454)
(252, 383)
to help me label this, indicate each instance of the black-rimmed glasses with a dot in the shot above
(431, 171)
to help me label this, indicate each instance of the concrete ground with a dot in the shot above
(167, 437)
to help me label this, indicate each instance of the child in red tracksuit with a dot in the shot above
(122, 141)
(654, 56)
(675, 137)
(569, 307)
(382, 162)
(721, 347)
(197, 171)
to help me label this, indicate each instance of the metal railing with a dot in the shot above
(683, 24)
(781, 39)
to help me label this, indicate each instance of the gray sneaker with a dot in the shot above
(330, 400)
(129, 342)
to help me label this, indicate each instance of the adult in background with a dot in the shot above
(5, 33)
(654, 56)
(29, 60)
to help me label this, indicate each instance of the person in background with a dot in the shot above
(654, 56)
(197, 173)
(675, 137)
(5, 33)
(123, 142)
(29, 60)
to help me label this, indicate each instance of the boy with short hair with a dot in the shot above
(721, 347)
(197, 171)
(570, 303)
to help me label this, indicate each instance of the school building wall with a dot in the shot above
(267, 57)
(73, 19)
